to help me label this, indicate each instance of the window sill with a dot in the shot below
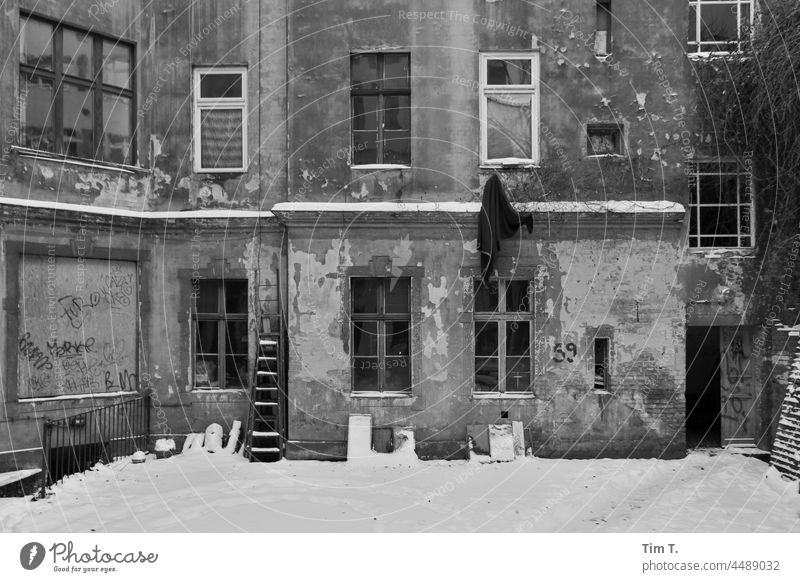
(715, 252)
(72, 161)
(503, 396)
(603, 156)
(219, 390)
(714, 54)
(510, 163)
(384, 395)
(380, 167)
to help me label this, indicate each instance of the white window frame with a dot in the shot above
(696, 48)
(217, 103)
(705, 168)
(532, 90)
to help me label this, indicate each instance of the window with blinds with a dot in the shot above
(220, 119)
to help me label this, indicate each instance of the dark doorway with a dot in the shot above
(702, 387)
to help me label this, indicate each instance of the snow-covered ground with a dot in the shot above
(204, 492)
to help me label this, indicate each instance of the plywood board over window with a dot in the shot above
(78, 326)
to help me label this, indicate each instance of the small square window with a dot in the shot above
(603, 139)
(719, 26)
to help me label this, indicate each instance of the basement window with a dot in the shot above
(503, 317)
(721, 206)
(76, 92)
(602, 36)
(220, 119)
(380, 330)
(719, 26)
(601, 360)
(604, 139)
(380, 97)
(509, 109)
(221, 336)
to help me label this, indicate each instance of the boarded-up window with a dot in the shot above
(78, 326)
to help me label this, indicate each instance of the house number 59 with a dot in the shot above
(560, 355)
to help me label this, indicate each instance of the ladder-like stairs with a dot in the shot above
(265, 437)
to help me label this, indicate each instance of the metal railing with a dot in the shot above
(75, 443)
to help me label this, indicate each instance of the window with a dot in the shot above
(601, 356)
(509, 108)
(503, 336)
(603, 139)
(76, 92)
(381, 319)
(381, 99)
(602, 36)
(718, 25)
(219, 318)
(220, 119)
(721, 206)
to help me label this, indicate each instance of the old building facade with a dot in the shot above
(170, 169)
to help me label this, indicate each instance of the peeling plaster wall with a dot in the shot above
(170, 39)
(642, 415)
(641, 86)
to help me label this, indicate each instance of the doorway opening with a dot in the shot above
(703, 428)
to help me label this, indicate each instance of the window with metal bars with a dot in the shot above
(721, 207)
(719, 26)
(503, 314)
(381, 327)
(77, 92)
(380, 96)
(221, 336)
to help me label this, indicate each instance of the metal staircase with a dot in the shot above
(265, 439)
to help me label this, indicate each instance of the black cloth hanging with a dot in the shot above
(498, 221)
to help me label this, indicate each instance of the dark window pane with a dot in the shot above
(364, 293)
(365, 115)
(720, 241)
(365, 147)
(692, 24)
(396, 338)
(517, 297)
(693, 220)
(486, 296)
(486, 375)
(397, 148)
(206, 340)
(509, 126)
(235, 296)
(745, 220)
(718, 220)
(719, 189)
(237, 338)
(365, 338)
(508, 72)
(486, 338)
(221, 138)
(36, 103)
(117, 129)
(36, 44)
(78, 122)
(206, 295)
(365, 374)
(206, 371)
(364, 71)
(116, 64)
(221, 86)
(718, 22)
(396, 115)
(77, 55)
(604, 141)
(236, 371)
(398, 373)
(518, 338)
(518, 374)
(397, 295)
(396, 71)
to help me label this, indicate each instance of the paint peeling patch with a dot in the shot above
(641, 98)
(361, 194)
(652, 423)
(46, 172)
(402, 253)
(471, 246)
(431, 310)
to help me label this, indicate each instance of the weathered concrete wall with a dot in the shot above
(169, 41)
(590, 283)
(641, 86)
(168, 255)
